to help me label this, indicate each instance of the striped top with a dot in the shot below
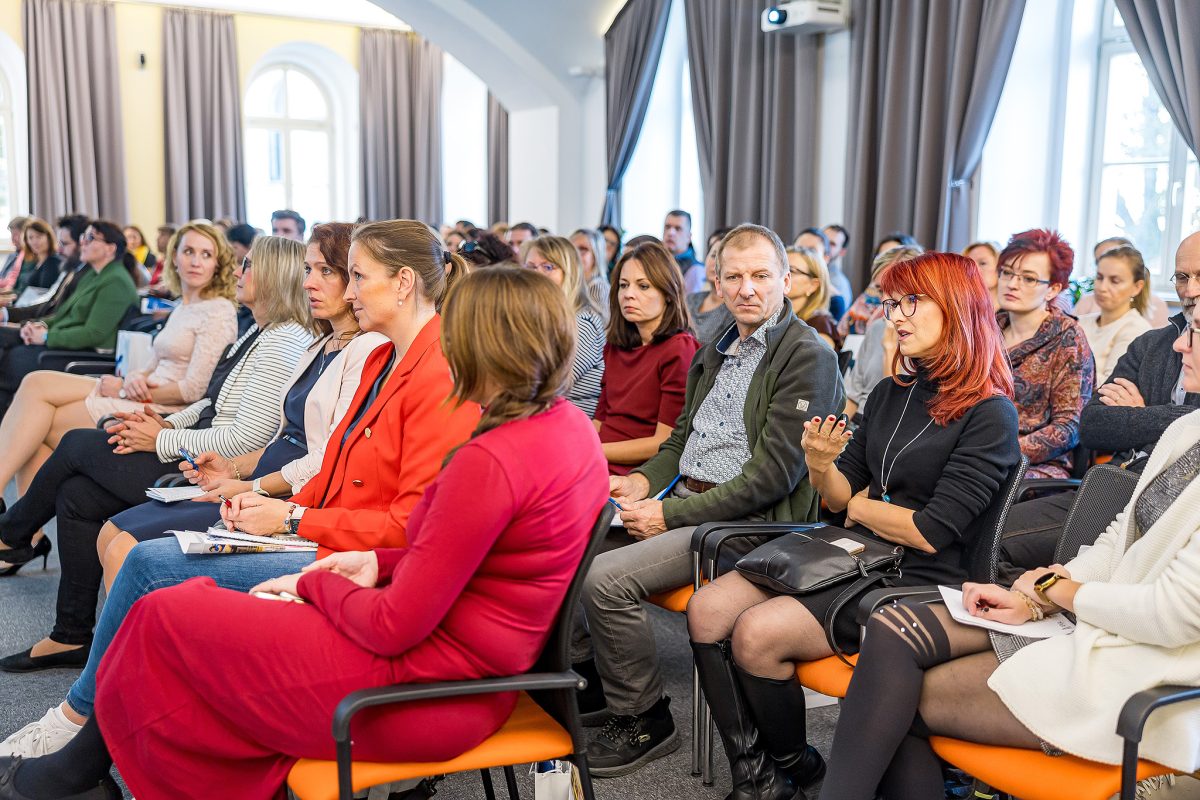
(247, 408)
(588, 369)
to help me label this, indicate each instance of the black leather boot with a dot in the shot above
(778, 708)
(756, 776)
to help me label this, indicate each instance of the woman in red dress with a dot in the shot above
(207, 690)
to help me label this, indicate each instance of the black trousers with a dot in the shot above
(1031, 534)
(17, 360)
(82, 484)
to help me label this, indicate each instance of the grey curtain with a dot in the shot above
(926, 77)
(754, 98)
(497, 160)
(632, 47)
(203, 118)
(1166, 36)
(76, 155)
(400, 97)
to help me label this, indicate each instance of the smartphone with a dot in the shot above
(849, 545)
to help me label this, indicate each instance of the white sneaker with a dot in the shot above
(48, 735)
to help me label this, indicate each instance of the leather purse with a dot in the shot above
(804, 562)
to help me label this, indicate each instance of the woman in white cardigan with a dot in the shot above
(310, 406)
(1136, 598)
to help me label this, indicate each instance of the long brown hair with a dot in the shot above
(509, 330)
(664, 275)
(399, 243)
(41, 226)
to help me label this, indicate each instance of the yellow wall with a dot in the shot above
(139, 30)
(10, 20)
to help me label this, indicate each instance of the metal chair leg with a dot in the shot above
(510, 778)
(585, 775)
(489, 791)
(697, 710)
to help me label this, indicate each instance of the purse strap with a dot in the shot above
(852, 591)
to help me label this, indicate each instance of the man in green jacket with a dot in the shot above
(87, 320)
(736, 451)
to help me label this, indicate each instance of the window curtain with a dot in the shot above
(755, 99)
(202, 116)
(632, 47)
(1166, 36)
(497, 155)
(76, 155)
(400, 97)
(926, 78)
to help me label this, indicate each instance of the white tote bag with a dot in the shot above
(135, 350)
(555, 780)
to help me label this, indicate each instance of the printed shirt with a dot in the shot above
(718, 446)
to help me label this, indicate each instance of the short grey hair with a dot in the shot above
(740, 236)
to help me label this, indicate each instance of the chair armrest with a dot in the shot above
(58, 359)
(878, 597)
(90, 367)
(363, 699)
(1047, 485)
(1132, 722)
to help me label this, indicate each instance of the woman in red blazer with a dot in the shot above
(207, 691)
(398, 430)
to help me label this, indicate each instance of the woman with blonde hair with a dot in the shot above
(809, 293)
(986, 256)
(218, 670)
(96, 474)
(1122, 292)
(199, 268)
(557, 259)
(589, 243)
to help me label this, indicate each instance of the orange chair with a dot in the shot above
(1033, 775)
(543, 726)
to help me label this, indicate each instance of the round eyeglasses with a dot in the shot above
(907, 305)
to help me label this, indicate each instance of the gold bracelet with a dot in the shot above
(237, 472)
(1035, 610)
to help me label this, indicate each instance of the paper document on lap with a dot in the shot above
(1053, 625)
(217, 541)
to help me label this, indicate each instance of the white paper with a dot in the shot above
(173, 494)
(215, 540)
(1053, 625)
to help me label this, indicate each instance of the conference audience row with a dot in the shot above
(719, 434)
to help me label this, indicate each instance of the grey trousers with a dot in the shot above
(621, 638)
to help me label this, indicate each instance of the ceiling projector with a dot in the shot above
(804, 16)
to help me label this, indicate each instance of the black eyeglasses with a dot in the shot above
(246, 264)
(907, 305)
(1027, 280)
(1190, 333)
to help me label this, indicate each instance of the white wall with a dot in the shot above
(834, 132)
(533, 167)
(464, 144)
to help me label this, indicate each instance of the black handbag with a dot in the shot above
(804, 562)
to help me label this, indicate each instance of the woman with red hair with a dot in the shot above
(1053, 368)
(936, 443)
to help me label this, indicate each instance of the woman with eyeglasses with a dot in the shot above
(557, 259)
(199, 268)
(809, 293)
(96, 474)
(1133, 594)
(935, 445)
(1053, 368)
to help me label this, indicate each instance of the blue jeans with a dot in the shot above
(158, 563)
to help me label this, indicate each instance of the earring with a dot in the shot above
(399, 303)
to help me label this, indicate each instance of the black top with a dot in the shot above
(297, 396)
(948, 475)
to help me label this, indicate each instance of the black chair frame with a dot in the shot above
(551, 683)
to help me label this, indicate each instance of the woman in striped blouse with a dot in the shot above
(95, 474)
(555, 257)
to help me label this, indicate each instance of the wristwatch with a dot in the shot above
(256, 487)
(292, 523)
(1043, 584)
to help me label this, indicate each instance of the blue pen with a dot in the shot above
(188, 457)
(667, 490)
(615, 503)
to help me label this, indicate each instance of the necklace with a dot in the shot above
(887, 471)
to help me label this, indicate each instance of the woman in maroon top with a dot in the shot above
(646, 358)
(229, 690)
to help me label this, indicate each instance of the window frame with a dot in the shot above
(287, 124)
(1114, 42)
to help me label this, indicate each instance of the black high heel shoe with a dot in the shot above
(20, 556)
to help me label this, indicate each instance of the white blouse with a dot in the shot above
(1109, 342)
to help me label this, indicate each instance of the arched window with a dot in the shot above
(14, 137)
(289, 145)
